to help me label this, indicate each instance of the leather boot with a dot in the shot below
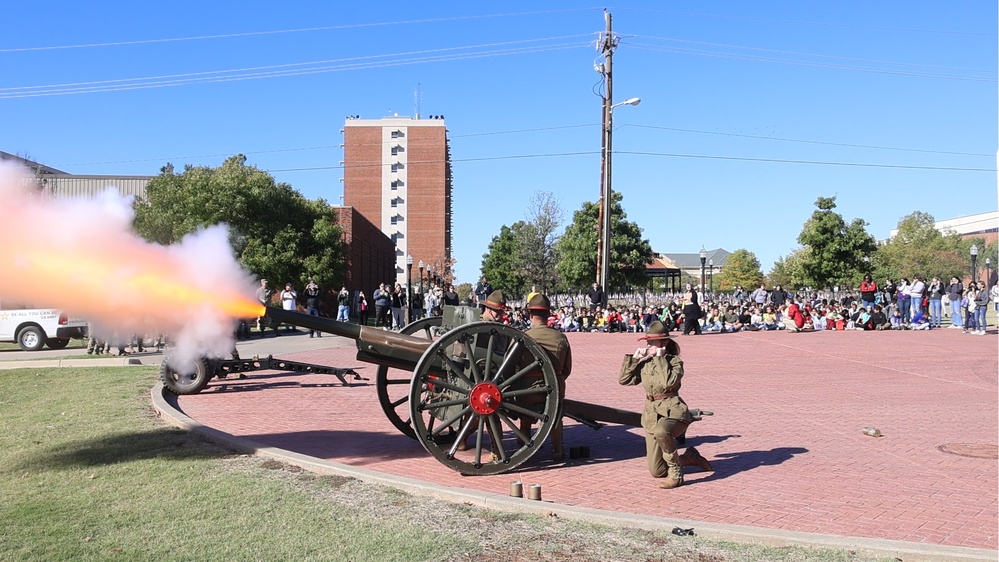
(674, 477)
(671, 483)
(691, 457)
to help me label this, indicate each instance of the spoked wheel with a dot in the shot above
(508, 379)
(190, 380)
(393, 384)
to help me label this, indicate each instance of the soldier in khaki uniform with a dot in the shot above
(557, 346)
(492, 309)
(659, 369)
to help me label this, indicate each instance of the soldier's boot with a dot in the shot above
(691, 457)
(674, 475)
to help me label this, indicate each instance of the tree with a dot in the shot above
(538, 242)
(275, 232)
(741, 268)
(836, 250)
(501, 264)
(629, 253)
(787, 271)
(919, 248)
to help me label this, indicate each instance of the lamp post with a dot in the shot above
(422, 265)
(988, 273)
(603, 241)
(409, 288)
(974, 262)
(711, 275)
(867, 264)
(704, 256)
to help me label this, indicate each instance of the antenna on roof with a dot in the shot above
(418, 100)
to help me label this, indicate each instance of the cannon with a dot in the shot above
(446, 381)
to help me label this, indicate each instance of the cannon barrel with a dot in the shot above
(379, 347)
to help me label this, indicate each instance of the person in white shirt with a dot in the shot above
(289, 301)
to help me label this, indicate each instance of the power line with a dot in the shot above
(798, 53)
(660, 154)
(848, 145)
(799, 22)
(660, 48)
(281, 31)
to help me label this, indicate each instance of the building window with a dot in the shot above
(397, 166)
(396, 184)
(397, 134)
(397, 149)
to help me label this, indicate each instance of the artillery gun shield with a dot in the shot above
(481, 379)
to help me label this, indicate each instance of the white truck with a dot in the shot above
(32, 328)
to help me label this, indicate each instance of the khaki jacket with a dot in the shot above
(658, 375)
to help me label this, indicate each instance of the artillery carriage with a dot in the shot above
(445, 381)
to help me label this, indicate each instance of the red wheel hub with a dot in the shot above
(485, 398)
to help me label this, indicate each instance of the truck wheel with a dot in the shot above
(185, 383)
(31, 338)
(57, 343)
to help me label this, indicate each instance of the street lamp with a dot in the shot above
(603, 241)
(704, 256)
(409, 288)
(422, 265)
(974, 262)
(711, 275)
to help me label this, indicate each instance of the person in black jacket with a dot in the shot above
(596, 295)
(312, 303)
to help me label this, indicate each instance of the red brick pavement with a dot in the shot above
(785, 441)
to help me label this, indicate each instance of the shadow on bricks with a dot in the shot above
(728, 464)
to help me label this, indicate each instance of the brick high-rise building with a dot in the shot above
(397, 173)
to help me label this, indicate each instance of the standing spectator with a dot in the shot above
(362, 309)
(890, 294)
(289, 301)
(433, 303)
(968, 303)
(482, 290)
(417, 304)
(981, 307)
(596, 295)
(994, 296)
(398, 302)
(955, 292)
(739, 296)
(868, 289)
(778, 297)
(450, 296)
(312, 303)
(934, 295)
(383, 305)
(691, 312)
(905, 300)
(265, 294)
(760, 296)
(343, 305)
(917, 290)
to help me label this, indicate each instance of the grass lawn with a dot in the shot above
(87, 472)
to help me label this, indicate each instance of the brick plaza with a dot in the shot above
(786, 439)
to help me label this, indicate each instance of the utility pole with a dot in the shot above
(606, 45)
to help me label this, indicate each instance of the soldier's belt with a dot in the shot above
(654, 397)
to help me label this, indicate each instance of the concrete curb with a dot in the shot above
(58, 363)
(758, 535)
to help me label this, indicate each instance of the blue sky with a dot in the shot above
(749, 112)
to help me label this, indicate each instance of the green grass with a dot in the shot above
(87, 472)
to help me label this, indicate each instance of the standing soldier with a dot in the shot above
(557, 346)
(659, 369)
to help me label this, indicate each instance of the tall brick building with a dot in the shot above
(397, 173)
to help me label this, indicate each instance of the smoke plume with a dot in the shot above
(81, 256)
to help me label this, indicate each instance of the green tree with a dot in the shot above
(501, 264)
(629, 252)
(920, 249)
(275, 231)
(787, 270)
(741, 268)
(836, 250)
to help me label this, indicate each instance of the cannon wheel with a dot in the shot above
(181, 383)
(395, 403)
(480, 398)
